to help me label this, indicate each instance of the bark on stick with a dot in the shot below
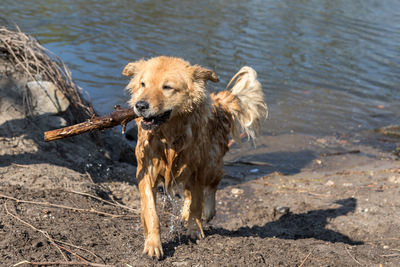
(121, 116)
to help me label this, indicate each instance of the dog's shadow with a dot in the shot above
(311, 224)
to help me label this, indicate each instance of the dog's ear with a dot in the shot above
(133, 68)
(201, 73)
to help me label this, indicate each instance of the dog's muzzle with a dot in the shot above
(149, 121)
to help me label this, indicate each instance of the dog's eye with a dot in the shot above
(167, 87)
(142, 84)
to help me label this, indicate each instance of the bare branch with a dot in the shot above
(118, 117)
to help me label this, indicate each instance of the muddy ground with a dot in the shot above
(310, 201)
(294, 200)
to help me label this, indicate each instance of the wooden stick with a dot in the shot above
(61, 263)
(46, 204)
(121, 116)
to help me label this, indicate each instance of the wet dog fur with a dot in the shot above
(183, 134)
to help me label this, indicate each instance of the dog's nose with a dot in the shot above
(142, 105)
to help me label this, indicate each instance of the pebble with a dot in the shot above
(394, 179)
(330, 183)
(237, 191)
(281, 210)
(363, 209)
(180, 263)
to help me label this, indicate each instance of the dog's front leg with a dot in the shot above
(150, 222)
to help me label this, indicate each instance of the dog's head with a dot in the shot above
(164, 87)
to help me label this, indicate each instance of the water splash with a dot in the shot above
(172, 205)
(98, 169)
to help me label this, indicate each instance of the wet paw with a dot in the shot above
(153, 248)
(194, 234)
(195, 230)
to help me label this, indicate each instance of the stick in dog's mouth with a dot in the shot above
(149, 123)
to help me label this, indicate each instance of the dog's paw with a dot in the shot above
(153, 248)
(194, 234)
(195, 230)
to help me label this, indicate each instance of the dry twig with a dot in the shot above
(348, 252)
(61, 263)
(63, 207)
(305, 259)
(116, 204)
(81, 248)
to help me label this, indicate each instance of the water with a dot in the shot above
(325, 66)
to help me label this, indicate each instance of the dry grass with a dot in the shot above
(29, 57)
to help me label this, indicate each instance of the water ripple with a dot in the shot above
(324, 65)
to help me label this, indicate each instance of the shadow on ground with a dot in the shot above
(98, 156)
(311, 224)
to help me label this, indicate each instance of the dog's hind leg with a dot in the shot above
(209, 203)
(192, 211)
(186, 206)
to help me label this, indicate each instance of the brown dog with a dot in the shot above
(183, 134)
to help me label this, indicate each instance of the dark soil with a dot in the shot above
(331, 201)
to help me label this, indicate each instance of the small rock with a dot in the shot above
(321, 140)
(330, 183)
(347, 184)
(281, 210)
(47, 98)
(236, 191)
(254, 170)
(394, 179)
(180, 263)
(318, 161)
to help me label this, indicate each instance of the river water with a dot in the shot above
(326, 66)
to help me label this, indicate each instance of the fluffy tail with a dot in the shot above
(245, 102)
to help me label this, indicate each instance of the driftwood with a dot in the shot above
(121, 116)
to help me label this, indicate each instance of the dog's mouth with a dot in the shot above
(149, 123)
